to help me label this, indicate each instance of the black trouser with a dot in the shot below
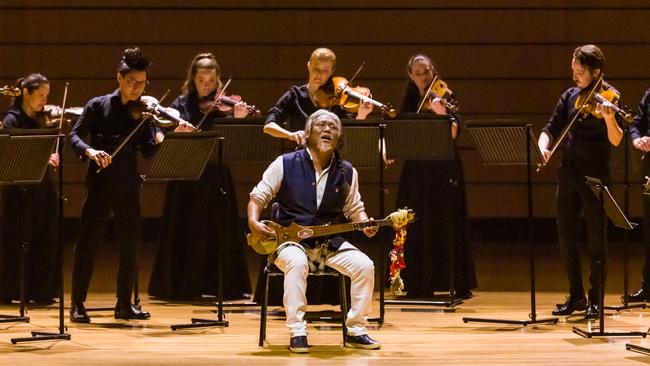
(572, 195)
(121, 195)
(646, 228)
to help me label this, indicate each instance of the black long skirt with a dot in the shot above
(435, 190)
(29, 215)
(200, 218)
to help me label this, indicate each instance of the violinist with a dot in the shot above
(38, 201)
(104, 123)
(640, 134)
(199, 216)
(586, 153)
(299, 102)
(440, 204)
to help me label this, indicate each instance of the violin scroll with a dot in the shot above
(10, 91)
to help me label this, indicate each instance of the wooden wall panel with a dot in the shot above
(503, 58)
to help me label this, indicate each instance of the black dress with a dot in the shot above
(198, 217)
(29, 213)
(435, 190)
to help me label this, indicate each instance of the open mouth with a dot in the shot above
(326, 138)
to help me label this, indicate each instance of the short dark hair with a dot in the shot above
(133, 59)
(591, 56)
(30, 82)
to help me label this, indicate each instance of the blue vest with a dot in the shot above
(297, 193)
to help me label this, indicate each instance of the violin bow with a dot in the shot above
(65, 97)
(426, 95)
(130, 135)
(566, 129)
(216, 99)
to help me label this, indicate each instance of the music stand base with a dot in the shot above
(626, 306)
(14, 319)
(638, 349)
(598, 333)
(513, 322)
(448, 303)
(248, 304)
(199, 323)
(42, 336)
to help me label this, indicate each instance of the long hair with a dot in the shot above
(325, 115)
(30, 82)
(205, 61)
(411, 95)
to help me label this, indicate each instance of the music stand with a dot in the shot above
(25, 155)
(607, 206)
(505, 143)
(258, 147)
(620, 160)
(424, 137)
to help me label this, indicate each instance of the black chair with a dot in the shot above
(271, 270)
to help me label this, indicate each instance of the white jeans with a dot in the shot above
(353, 263)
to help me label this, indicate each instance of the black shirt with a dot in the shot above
(108, 122)
(17, 118)
(587, 148)
(295, 106)
(188, 106)
(639, 127)
(411, 101)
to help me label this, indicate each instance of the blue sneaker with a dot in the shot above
(362, 341)
(299, 344)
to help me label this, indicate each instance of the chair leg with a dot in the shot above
(344, 305)
(265, 301)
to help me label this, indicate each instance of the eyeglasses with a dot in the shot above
(132, 83)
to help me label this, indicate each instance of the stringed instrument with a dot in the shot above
(296, 233)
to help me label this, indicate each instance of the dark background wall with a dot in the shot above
(503, 59)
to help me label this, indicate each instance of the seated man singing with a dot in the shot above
(314, 186)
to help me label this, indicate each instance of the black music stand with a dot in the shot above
(620, 160)
(609, 206)
(424, 137)
(25, 155)
(504, 143)
(257, 147)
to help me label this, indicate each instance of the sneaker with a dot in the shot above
(299, 344)
(361, 341)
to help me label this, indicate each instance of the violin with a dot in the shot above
(10, 91)
(600, 95)
(44, 118)
(439, 88)
(338, 92)
(225, 105)
(587, 103)
(148, 106)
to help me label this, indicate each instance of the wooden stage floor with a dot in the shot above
(410, 335)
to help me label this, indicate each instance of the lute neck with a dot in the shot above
(350, 226)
